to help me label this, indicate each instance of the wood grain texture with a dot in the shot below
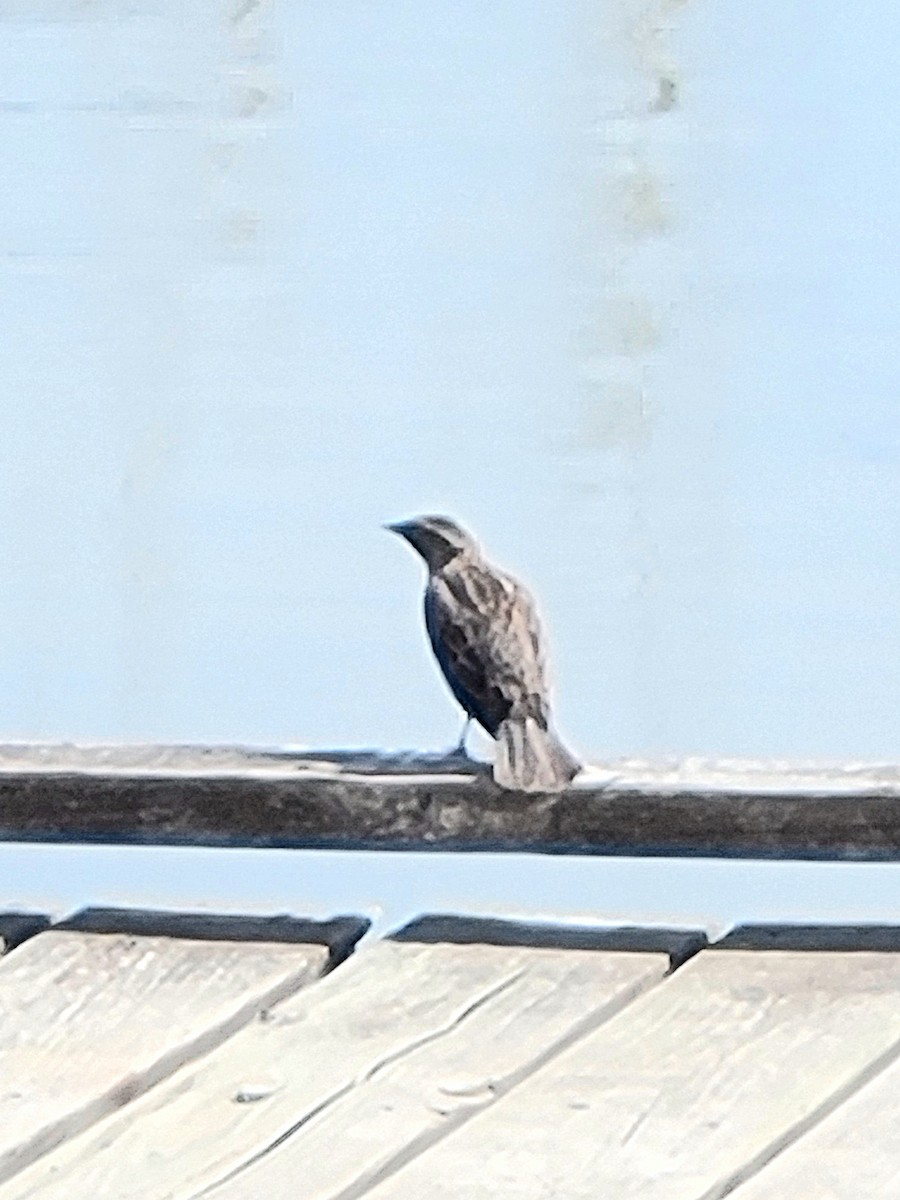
(90, 1020)
(398, 1046)
(686, 1092)
(230, 796)
(853, 1154)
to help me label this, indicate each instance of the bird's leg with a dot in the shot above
(459, 750)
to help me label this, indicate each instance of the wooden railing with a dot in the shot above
(217, 795)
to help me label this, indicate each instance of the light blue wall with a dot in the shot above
(614, 282)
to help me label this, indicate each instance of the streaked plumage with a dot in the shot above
(486, 637)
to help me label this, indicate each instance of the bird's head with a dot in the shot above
(437, 539)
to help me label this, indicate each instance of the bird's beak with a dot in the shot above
(403, 528)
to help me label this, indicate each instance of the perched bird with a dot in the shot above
(485, 635)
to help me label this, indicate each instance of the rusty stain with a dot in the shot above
(242, 9)
(241, 228)
(224, 156)
(644, 208)
(653, 26)
(637, 205)
(250, 95)
(667, 96)
(628, 326)
(614, 415)
(251, 100)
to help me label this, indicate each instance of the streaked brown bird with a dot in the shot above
(486, 637)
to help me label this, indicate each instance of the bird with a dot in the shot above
(485, 634)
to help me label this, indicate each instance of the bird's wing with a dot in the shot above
(485, 634)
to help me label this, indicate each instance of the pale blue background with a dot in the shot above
(614, 282)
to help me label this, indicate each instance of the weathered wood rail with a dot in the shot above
(234, 796)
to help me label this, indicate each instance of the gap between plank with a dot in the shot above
(134, 1085)
(363, 1078)
(732, 1182)
(454, 1120)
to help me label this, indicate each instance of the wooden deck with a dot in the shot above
(233, 796)
(147, 1056)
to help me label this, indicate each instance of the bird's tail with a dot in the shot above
(531, 758)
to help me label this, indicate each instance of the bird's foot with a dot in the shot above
(459, 750)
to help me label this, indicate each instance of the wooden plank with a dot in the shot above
(685, 1092)
(439, 1030)
(852, 1154)
(89, 1020)
(236, 796)
(446, 928)
(17, 927)
(338, 934)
